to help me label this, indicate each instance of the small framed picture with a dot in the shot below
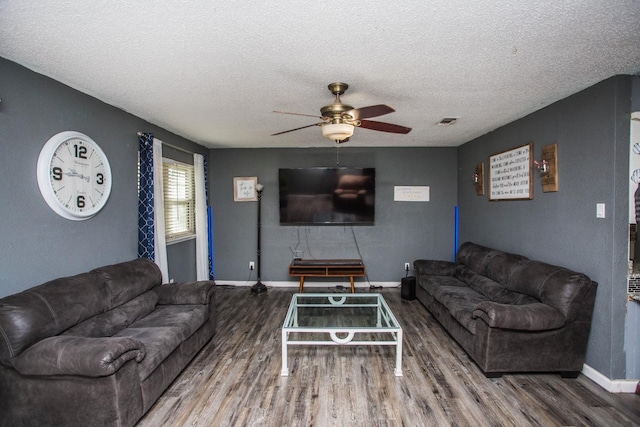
(244, 189)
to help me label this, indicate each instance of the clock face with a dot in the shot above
(74, 175)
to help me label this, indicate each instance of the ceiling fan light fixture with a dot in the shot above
(339, 120)
(337, 131)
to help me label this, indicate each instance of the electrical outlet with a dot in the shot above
(407, 266)
(252, 265)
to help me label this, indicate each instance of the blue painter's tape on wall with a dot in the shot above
(210, 239)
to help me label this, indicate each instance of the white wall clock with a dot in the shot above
(74, 175)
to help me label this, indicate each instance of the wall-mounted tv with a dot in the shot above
(324, 196)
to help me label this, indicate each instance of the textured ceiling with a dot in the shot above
(214, 71)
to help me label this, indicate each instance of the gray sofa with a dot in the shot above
(99, 348)
(509, 313)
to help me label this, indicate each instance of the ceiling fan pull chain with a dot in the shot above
(337, 153)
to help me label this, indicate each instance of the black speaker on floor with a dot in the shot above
(408, 288)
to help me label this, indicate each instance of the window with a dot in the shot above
(179, 200)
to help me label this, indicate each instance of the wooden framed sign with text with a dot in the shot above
(510, 174)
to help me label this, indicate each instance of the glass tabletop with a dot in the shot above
(325, 310)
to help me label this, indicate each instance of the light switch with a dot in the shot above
(600, 210)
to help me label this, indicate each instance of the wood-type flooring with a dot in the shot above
(235, 380)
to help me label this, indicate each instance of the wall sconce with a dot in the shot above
(548, 167)
(543, 166)
(478, 179)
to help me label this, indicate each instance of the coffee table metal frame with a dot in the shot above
(386, 323)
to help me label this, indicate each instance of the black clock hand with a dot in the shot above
(72, 172)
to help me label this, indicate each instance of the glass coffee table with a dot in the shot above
(340, 319)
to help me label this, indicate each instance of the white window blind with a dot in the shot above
(179, 200)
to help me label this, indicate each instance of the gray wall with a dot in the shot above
(591, 129)
(592, 132)
(403, 231)
(37, 244)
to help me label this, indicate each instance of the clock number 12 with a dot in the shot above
(80, 151)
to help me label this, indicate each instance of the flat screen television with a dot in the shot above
(323, 196)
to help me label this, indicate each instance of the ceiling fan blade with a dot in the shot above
(384, 127)
(297, 114)
(303, 127)
(370, 111)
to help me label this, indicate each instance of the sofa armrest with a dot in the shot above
(527, 317)
(434, 268)
(73, 355)
(186, 293)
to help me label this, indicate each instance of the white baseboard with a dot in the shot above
(290, 284)
(612, 386)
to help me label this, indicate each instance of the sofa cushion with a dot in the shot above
(47, 310)
(488, 262)
(186, 317)
(162, 331)
(436, 268)
(555, 286)
(472, 255)
(431, 283)
(528, 317)
(499, 265)
(127, 280)
(55, 306)
(489, 288)
(158, 343)
(515, 298)
(460, 301)
(115, 320)
(70, 355)
(493, 290)
(186, 293)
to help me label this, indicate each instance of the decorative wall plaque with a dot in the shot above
(244, 189)
(510, 174)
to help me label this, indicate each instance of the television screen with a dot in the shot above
(327, 196)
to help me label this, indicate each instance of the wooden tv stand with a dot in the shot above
(327, 268)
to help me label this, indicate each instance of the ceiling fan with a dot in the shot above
(339, 120)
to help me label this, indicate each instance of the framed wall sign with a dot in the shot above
(412, 193)
(244, 189)
(510, 174)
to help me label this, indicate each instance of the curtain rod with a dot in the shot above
(175, 147)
